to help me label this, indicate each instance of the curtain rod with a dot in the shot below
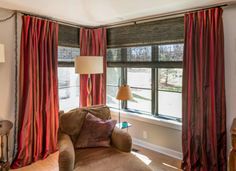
(165, 15)
(59, 21)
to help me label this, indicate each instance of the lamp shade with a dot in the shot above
(89, 64)
(2, 53)
(124, 93)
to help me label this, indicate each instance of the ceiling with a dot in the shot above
(102, 12)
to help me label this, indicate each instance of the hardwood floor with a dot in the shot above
(49, 164)
(157, 161)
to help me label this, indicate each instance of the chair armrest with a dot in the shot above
(121, 140)
(66, 152)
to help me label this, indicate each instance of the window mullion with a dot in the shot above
(153, 92)
(156, 92)
(153, 100)
(125, 82)
(124, 74)
(156, 81)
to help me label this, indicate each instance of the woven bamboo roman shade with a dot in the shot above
(156, 32)
(150, 33)
(68, 36)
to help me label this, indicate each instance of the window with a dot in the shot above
(169, 92)
(139, 53)
(68, 80)
(139, 79)
(171, 52)
(154, 74)
(67, 54)
(114, 54)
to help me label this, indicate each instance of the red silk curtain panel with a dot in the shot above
(38, 91)
(204, 110)
(93, 42)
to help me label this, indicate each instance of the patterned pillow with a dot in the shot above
(95, 132)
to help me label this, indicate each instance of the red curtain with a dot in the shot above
(204, 111)
(38, 91)
(93, 42)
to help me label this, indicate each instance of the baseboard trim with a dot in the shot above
(159, 149)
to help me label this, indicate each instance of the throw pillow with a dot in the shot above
(95, 132)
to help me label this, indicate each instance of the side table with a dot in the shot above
(5, 127)
(124, 125)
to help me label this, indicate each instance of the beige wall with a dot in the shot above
(230, 65)
(156, 134)
(7, 71)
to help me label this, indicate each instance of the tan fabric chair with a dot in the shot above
(114, 158)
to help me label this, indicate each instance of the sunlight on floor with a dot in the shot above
(142, 157)
(173, 167)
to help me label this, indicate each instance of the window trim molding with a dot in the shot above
(146, 44)
(142, 64)
(65, 64)
(148, 119)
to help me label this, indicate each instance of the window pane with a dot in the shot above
(139, 53)
(68, 84)
(141, 100)
(67, 54)
(170, 79)
(113, 76)
(172, 52)
(111, 96)
(114, 54)
(139, 77)
(170, 92)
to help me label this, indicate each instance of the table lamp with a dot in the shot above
(89, 65)
(124, 93)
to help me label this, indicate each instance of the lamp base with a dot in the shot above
(89, 89)
(119, 112)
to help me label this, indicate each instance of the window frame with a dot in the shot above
(155, 64)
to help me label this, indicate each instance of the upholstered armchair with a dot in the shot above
(116, 157)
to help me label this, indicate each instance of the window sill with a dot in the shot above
(148, 119)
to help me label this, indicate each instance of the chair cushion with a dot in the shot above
(107, 159)
(71, 122)
(95, 132)
(100, 111)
